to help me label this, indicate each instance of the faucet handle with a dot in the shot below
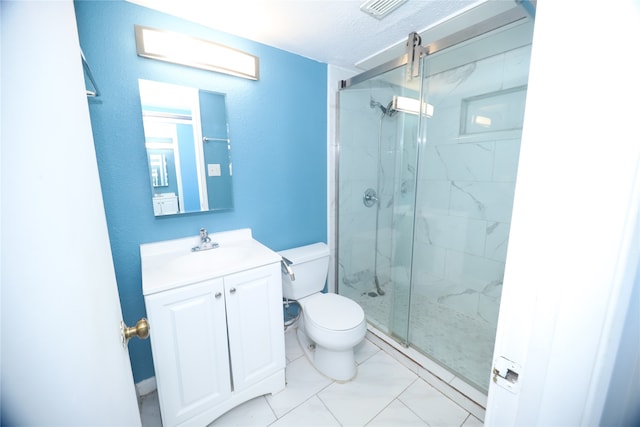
(205, 242)
(204, 236)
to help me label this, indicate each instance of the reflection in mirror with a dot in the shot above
(158, 166)
(188, 148)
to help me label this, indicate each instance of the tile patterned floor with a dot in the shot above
(384, 393)
(460, 341)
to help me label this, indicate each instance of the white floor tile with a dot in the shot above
(455, 395)
(432, 406)
(470, 391)
(397, 414)
(292, 347)
(303, 381)
(472, 421)
(364, 350)
(380, 379)
(150, 410)
(255, 412)
(310, 413)
(384, 393)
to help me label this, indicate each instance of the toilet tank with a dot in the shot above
(310, 265)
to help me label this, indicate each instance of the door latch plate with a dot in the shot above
(506, 374)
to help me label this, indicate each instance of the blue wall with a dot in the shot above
(277, 128)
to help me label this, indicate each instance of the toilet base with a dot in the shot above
(338, 365)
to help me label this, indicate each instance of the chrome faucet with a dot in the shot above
(286, 268)
(205, 242)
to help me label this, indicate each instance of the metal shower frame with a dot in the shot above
(413, 56)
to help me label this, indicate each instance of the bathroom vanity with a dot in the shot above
(217, 333)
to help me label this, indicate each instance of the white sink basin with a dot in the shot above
(171, 264)
(207, 261)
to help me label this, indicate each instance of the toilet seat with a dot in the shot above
(333, 312)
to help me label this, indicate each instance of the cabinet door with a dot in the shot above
(255, 324)
(189, 343)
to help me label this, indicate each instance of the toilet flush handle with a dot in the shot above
(286, 268)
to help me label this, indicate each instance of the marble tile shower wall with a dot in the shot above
(396, 180)
(358, 171)
(466, 184)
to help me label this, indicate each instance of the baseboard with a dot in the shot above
(145, 387)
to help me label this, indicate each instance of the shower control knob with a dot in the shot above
(370, 197)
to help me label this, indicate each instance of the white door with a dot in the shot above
(573, 251)
(62, 359)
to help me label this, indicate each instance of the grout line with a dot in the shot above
(270, 407)
(442, 386)
(397, 397)
(415, 367)
(327, 408)
(412, 411)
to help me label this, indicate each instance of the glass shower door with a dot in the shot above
(466, 182)
(424, 201)
(376, 185)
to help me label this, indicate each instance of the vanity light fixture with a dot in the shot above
(195, 52)
(411, 106)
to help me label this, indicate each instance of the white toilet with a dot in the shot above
(330, 325)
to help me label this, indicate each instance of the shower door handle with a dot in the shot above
(370, 197)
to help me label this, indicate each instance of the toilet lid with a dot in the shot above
(334, 312)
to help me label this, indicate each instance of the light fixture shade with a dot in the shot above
(195, 52)
(411, 106)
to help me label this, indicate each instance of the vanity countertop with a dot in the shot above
(171, 264)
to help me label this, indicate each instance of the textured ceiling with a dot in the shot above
(330, 31)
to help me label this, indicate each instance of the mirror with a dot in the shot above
(188, 148)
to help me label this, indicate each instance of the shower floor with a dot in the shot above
(458, 342)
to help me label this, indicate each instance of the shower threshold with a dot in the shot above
(446, 382)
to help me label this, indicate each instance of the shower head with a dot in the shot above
(376, 104)
(386, 111)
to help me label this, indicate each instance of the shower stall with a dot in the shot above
(426, 174)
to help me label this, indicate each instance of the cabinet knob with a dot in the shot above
(218, 294)
(232, 290)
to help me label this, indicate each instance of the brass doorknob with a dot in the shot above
(140, 330)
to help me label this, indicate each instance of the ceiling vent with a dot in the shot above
(380, 8)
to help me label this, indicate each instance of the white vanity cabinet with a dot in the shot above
(189, 348)
(217, 342)
(255, 328)
(165, 204)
